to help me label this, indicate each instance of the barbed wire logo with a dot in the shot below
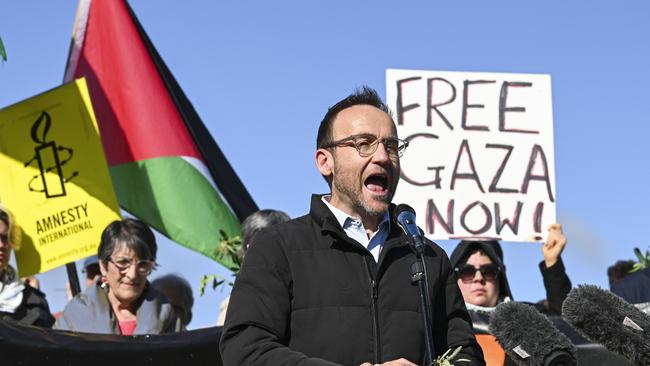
(50, 159)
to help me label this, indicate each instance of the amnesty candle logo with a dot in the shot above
(48, 157)
(55, 177)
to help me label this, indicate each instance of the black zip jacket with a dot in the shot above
(307, 294)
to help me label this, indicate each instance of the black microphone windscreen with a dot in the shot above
(401, 208)
(529, 338)
(605, 318)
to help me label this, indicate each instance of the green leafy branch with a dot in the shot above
(3, 53)
(228, 252)
(215, 280)
(446, 358)
(644, 260)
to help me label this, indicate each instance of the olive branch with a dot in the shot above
(446, 358)
(644, 260)
(3, 53)
(228, 253)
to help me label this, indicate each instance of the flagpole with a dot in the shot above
(73, 279)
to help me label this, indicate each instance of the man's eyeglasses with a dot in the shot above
(142, 266)
(489, 272)
(366, 144)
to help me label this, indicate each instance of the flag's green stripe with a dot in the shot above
(174, 198)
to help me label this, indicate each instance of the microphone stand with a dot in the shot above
(404, 216)
(419, 276)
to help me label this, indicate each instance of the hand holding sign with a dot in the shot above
(554, 245)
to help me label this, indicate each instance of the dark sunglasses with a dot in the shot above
(489, 272)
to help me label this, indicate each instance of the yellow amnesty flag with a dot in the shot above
(55, 178)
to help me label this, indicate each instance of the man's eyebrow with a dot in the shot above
(363, 135)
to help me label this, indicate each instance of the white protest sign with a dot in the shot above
(480, 160)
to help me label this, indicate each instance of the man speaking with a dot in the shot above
(334, 286)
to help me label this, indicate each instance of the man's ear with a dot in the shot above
(324, 162)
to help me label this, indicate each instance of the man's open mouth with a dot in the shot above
(377, 183)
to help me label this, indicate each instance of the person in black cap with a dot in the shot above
(483, 282)
(91, 270)
(93, 275)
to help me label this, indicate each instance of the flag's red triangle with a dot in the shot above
(141, 110)
(138, 118)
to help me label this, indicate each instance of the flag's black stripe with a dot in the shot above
(222, 172)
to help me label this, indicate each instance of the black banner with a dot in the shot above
(29, 345)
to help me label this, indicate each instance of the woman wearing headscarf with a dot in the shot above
(18, 300)
(123, 302)
(483, 282)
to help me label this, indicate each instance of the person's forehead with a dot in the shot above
(4, 228)
(121, 250)
(362, 118)
(478, 258)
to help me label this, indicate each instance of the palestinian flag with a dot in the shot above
(166, 168)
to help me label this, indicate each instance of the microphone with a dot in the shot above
(606, 318)
(529, 338)
(404, 216)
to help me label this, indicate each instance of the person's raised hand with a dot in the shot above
(32, 281)
(554, 245)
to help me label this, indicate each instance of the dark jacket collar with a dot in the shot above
(328, 223)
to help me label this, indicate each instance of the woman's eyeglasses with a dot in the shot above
(466, 273)
(142, 266)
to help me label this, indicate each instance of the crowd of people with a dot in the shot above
(322, 289)
(118, 296)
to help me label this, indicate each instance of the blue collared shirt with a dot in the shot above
(354, 229)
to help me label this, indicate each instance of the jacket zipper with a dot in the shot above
(373, 310)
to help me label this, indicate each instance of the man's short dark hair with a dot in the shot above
(364, 95)
(92, 271)
(618, 271)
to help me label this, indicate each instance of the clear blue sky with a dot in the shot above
(261, 75)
